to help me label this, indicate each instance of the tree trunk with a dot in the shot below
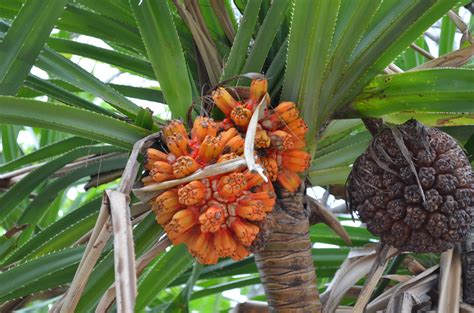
(468, 266)
(286, 264)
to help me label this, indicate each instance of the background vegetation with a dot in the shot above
(67, 130)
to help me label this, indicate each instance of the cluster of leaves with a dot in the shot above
(187, 46)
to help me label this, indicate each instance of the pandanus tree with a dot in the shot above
(257, 100)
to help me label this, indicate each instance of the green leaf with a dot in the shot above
(38, 207)
(168, 267)
(149, 94)
(118, 59)
(71, 120)
(309, 45)
(165, 53)
(10, 148)
(58, 235)
(267, 32)
(338, 134)
(335, 50)
(342, 153)
(145, 119)
(276, 69)
(117, 10)
(446, 37)
(330, 176)
(326, 260)
(39, 274)
(54, 63)
(225, 286)
(89, 23)
(46, 152)
(411, 58)
(52, 90)
(238, 53)
(440, 97)
(24, 187)
(24, 40)
(181, 302)
(395, 25)
(359, 236)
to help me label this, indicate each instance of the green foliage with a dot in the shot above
(24, 40)
(165, 53)
(420, 94)
(327, 56)
(72, 120)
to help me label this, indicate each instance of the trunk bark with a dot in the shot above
(286, 264)
(468, 266)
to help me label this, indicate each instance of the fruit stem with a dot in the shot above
(373, 125)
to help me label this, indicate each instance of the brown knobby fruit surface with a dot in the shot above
(413, 187)
(468, 265)
(286, 264)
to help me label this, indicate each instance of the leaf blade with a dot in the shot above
(238, 52)
(24, 41)
(165, 53)
(72, 120)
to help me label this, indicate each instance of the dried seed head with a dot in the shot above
(412, 200)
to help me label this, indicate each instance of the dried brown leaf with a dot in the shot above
(450, 281)
(319, 213)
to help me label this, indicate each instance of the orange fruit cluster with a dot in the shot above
(280, 136)
(219, 216)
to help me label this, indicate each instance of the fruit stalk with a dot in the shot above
(286, 264)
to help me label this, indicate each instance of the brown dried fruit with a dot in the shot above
(414, 187)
